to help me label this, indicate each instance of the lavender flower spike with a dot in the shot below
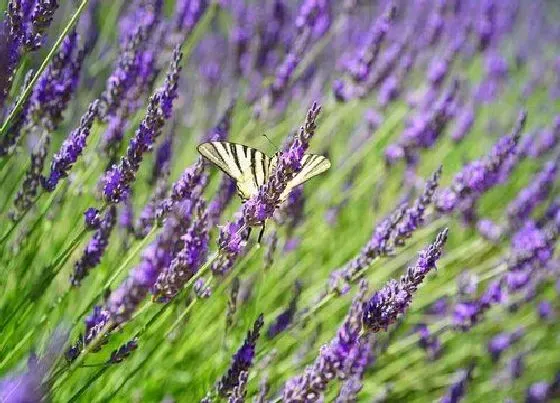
(394, 298)
(261, 207)
(71, 149)
(343, 357)
(188, 260)
(538, 190)
(480, 175)
(414, 216)
(95, 248)
(118, 179)
(361, 67)
(457, 389)
(155, 258)
(241, 361)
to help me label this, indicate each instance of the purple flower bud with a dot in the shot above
(501, 342)
(463, 124)
(96, 247)
(95, 323)
(71, 149)
(414, 216)
(28, 385)
(41, 18)
(535, 193)
(457, 390)
(545, 310)
(188, 13)
(284, 319)
(26, 196)
(202, 290)
(55, 87)
(546, 140)
(225, 193)
(428, 342)
(468, 313)
(92, 218)
(123, 352)
(395, 297)
(242, 360)
(489, 230)
(538, 392)
(378, 245)
(486, 24)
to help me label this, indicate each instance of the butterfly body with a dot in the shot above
(251, 168)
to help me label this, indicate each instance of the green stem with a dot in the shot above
(27, 91)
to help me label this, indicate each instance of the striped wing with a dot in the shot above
(312, 165)
(247, 166)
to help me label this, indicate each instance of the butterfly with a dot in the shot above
(250, 168)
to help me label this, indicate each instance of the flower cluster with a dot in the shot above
(118, 179)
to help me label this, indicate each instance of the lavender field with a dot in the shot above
(420, 267)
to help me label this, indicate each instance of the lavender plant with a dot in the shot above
(127, 267)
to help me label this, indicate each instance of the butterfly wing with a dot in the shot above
(311, 165)
(247, 166)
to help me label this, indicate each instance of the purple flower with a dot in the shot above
(155, 258)
(457, 390)
(486, 24)
(468, 313)
(188, 260)
(149, 213)
(346, 354)
(201, 289)
(545, 140)
(360, 68)
(95, 323)
(26, 196)
(480, 175)
(28, 385)
(428, 342)
(56, 85)
(162, 159)
(545, 310)
(464, 123)
(284, 319)
(538, 392)
(225, 193)
(123, 352)
(118, 179)
(71, 149)
(242, 360)
(96, 247)
(489, 230)
(92, 218)
(414, 216)
(220, 132)
(41, 18)
(378, 245)
(535, 193)
(501, 342)
(134, 66)
(188, 13)
(394, 298)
